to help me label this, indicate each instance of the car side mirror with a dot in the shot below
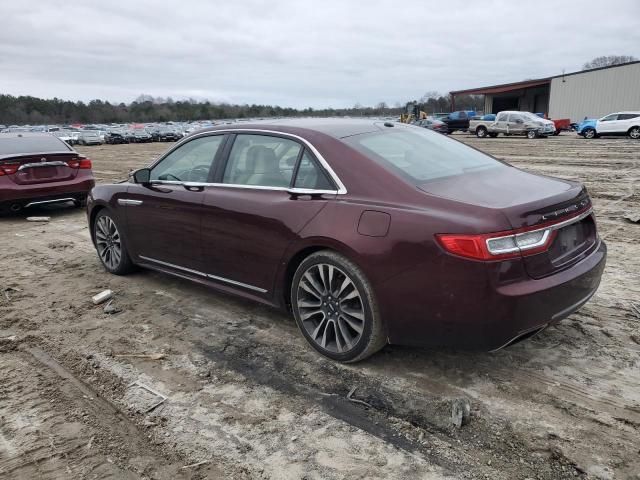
(142, 176)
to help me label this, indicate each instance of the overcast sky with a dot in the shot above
(299, 53)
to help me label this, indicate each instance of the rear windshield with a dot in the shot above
(421, 155)
(31, 144)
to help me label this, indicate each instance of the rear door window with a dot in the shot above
(261, 160)
(310, 175)
(502, 117)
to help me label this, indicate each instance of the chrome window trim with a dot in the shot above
(547, 230)
(341, 188)
(205, 275)
(293, 190)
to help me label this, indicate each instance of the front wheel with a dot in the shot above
(589, 133)
(110, 244)
(335, 308)
(634, 132)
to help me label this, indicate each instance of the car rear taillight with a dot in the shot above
(9, 168)
(516, 243)
(83, 163)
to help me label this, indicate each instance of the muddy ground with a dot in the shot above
(246, 397)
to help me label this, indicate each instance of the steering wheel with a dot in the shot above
(201, 171)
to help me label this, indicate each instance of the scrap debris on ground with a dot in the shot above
(185, 382)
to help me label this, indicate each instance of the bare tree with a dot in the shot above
(608, 60)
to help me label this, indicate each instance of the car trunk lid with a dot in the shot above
(41, 168)
(528, 201)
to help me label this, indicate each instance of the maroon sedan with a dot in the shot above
(370, 233)
(38, 168)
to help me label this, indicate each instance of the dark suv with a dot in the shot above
(458, 120)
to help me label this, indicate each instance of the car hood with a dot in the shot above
(521, 196)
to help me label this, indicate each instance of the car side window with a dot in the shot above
(627, 116)
(190, 162)
(502, 117)
(311, 176)
(261, 160)
(609, 118)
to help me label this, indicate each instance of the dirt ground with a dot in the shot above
(246, 397)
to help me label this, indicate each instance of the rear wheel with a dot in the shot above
(531, 134)
(481, 132)
(634, 132)
(589, 133)
(110, 245)
(335, 308)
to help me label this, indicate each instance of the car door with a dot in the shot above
(270, 187)
(515, 124)
(607, 124)
(164, 217)
(501, 123)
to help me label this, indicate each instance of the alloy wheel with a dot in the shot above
(635, 133)
(589, 133)
(108, 242)
(331, 308)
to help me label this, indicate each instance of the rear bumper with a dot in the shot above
(465, 306)
(12, 193)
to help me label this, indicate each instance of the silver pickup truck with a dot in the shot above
(512, 123)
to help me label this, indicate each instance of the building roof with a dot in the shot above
(508, 87)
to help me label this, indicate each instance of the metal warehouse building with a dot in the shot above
(590, 93)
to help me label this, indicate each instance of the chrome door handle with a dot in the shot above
(194, 186)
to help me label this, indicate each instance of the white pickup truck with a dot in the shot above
(512, 123)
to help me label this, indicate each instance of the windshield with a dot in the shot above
(421, 155)
(531, 116)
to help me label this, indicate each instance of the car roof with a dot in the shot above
(333, 127)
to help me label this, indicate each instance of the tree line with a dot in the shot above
(27, 110)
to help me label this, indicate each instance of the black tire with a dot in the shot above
(589, 133)
(123, 265)
(481, 132)
(493, 135)
(337, 313)
(634, 133)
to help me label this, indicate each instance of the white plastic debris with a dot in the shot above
(460, 412)
(38, 219)
(102, 297)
